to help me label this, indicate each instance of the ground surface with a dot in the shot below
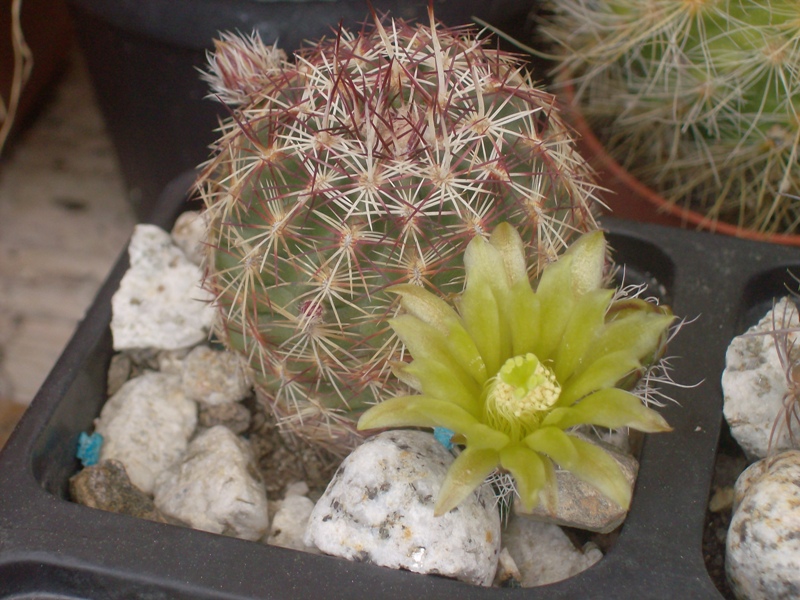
(64, 219)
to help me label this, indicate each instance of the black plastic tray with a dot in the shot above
(55, 549)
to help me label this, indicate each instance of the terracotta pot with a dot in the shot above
(629, 198)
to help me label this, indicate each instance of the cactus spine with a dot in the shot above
(697, 98)
(369, 161)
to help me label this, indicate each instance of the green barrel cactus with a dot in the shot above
(700, 100)
(512, 371)
(370, 160)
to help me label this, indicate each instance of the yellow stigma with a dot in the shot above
(518, 396)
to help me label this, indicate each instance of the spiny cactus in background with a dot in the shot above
(700, 100)
(370, 161)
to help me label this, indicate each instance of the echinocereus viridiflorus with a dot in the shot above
(511, 370)
(370, 159)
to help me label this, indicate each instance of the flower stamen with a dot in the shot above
(516, 399)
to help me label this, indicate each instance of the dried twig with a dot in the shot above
(23, 66)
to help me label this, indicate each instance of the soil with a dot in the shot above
(731, 461)
(283, 460)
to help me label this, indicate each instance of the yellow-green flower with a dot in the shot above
(512, 370)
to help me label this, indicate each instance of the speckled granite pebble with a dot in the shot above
(379, 508)
(754, 384)
(763, 545)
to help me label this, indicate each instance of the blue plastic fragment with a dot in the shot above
(89, 448)
(443, 435)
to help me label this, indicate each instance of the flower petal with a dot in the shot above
(587, 461)
(468, 471)
(436, 312)
(522, 306)
(589, 253)
(586, 321)
(554, 443)
(523, 312)
(438, 381)
(556, 302)
(577, 272)
(482, 302)
(612, 408)
(427, 344)
(602, 373)
(508, 242)
(529, 471)
(480, 436)
(416, 411)
(596, 467)
(639, 333)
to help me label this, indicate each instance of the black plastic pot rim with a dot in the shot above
(49, 545)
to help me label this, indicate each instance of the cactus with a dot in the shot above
(513, 368)
(699, 100)
(369, 161)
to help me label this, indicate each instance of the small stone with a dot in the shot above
(143, 359)
(378, 508)
(754, 384)
(159, 303)
(232, 415)
(289, 523)
(188, 233)
(119, 371)
(580, 504)
(215, 376)
(543, 553)
(107, 486)
(721, 500)
(763, 545)
(215, 487)
(508, 574)
(296, 488)
(171, 361)
(146, 425)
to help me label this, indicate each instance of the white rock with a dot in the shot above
(507, 574)
(159, 303)
(379, 508)
(763, 544)
(171, 361)
(146, 425)
(215, 487)
(188, 233)
(215, 376)
(289, 524)
(543, 553)
(754, 384)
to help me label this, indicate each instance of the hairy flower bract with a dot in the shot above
(511, 370)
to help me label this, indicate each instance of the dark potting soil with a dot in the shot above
(730, 463)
